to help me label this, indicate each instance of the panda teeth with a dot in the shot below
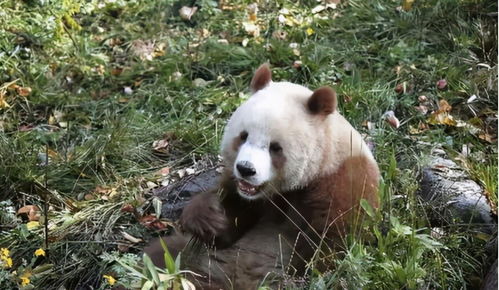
(246, 187)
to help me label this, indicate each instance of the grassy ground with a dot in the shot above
(87, 87)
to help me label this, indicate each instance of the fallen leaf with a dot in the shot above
(151, 184)
(152, 222)
(407, 4)
(186, 12)
(422, 99)
(443, 106)
(89, 196)
(160, 145)
(23, 91)
(128, 208)
(318, 8)
(131, 238)
(390, 117)
(116, 71)
(251, 28)
(3, 102)
(441, 118)
(32, 225)
(143, 49)
(486, 137)
(105, 192)
(441, 84)
(31, 211)
(164, 171)
(422, 109)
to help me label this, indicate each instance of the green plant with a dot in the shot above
(156, 278)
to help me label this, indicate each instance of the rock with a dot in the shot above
(490, 281)
(452, 195)
(174, 197)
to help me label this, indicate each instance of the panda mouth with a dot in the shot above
(247, 188)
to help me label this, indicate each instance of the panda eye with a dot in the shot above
(243, 135)
(275, 147)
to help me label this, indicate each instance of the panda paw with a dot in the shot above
(204, 217)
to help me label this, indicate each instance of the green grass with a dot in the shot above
(78, 56)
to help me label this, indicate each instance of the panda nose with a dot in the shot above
(245, 168)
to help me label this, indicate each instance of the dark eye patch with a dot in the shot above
(275, 147)
(243, 135)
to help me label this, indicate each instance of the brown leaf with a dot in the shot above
(116, 71)
(443, 106)
(123, 248)
(31, 211)
(149, 221)
(161, 145)
(89, 196)
(164, 171)
(102, 190)
(128, 208)
(390, 117)
(486, 137)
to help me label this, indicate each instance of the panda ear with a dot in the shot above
(323, 101)
(261, 79)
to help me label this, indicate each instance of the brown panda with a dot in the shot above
(295, 172)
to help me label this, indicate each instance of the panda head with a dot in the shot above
(276, 141)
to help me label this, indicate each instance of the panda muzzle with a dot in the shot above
(247, 188)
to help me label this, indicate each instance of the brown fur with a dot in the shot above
(246, 240)
(239, 242)
(261, 79)
(323, 101)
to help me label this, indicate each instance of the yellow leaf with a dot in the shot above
(4, 252)
(32, 225)
(441, 118)
(407, 4)
(8, 262)
(3, 103)
(40, 252)
(110, 279)
(25, 278)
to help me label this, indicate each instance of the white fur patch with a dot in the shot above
(259, 157)
(312, 145)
